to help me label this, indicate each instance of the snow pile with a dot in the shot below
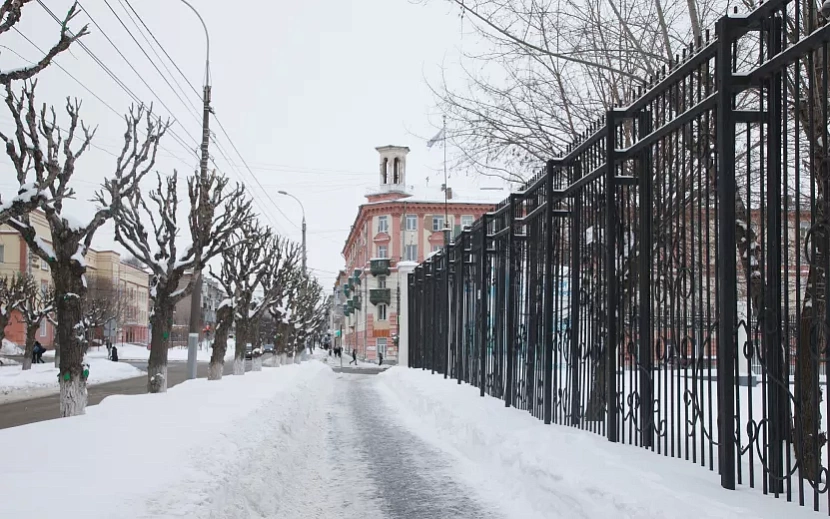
(530, 470)
(198, 450)
(16, 384)
(10, 348)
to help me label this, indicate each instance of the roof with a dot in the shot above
(435, 195)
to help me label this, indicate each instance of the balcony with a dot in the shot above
(356, 302)
(380, 295)
(380, 267)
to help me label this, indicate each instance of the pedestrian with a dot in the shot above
(354, 357)
(114, 356)
(380, 358)
(109, 349)
(37, 353)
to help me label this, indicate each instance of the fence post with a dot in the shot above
(462, 312)
(645, 358)
(483, 296)
(611, 277)
(776, 400)
(547, 304)
(727, 273)
(513, 266)
(576, 255)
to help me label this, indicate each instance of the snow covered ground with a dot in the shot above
(42, 379)
(129, 351)
(196, 451)
(10, 348)
(530, 470)
(300, 442)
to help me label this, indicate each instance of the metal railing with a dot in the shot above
(638, 286)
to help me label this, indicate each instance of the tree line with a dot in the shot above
(259, 269)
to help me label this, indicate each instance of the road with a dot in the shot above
(46, 408)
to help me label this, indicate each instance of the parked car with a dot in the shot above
(249, 351)
(268, 348)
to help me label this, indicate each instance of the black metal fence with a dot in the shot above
(664, 282)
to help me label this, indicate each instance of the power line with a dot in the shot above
(222, 127)
(156, 54)
(161, 47)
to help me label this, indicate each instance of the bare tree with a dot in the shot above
(258, 261)
(103, 304)
(36, 305)
(13, 290)
(32, 191)
(150, 234)
(38, 146)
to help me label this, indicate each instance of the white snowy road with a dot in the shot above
(358, 463)
(302, 442)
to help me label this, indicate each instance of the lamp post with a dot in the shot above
(303, 210)
(196, 296)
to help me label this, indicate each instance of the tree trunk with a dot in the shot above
(69, 289)
(242, 340)
(31, 330)
(256, 365)
(224, 318)
(162, 323)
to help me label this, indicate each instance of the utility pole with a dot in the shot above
(302, 208)
(196, 296)
(304, 249)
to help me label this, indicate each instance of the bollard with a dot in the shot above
(192, 349)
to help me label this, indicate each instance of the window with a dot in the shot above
(2, 253)
(381, 343)
(381, 281)
(411, 253)
(42, 330)
(466, 221)
(44, 265)
(382, 251)
(411, 222)
(437, 223)
(381, 312)
(44, 287)
(383, 224)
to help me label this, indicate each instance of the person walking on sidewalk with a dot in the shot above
(37, 353)
(354, 357)
(380, 358)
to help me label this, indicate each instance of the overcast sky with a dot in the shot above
(305, 89)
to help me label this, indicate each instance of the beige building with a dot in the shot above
(107, 275)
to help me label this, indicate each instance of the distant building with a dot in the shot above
(212, 295)
(126, 285)
(398, 223)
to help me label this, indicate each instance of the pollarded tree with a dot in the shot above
(32, 190)
(305, 305)
(257, 262)
(150, 234)
(48, 152)
(13, 290)
(103, 304)
(36, 305)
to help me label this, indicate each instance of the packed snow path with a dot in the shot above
(393, 473)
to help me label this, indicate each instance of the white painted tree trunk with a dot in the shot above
(256, 364)
(238, 366)
(297, 358)
(73, 397)
(157, 379)
(283, 358)
(215, 370)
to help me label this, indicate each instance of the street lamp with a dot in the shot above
(303, 210)
(196, 296)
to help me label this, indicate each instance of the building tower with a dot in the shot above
(392, 168)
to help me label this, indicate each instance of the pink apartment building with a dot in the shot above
(398, 223)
